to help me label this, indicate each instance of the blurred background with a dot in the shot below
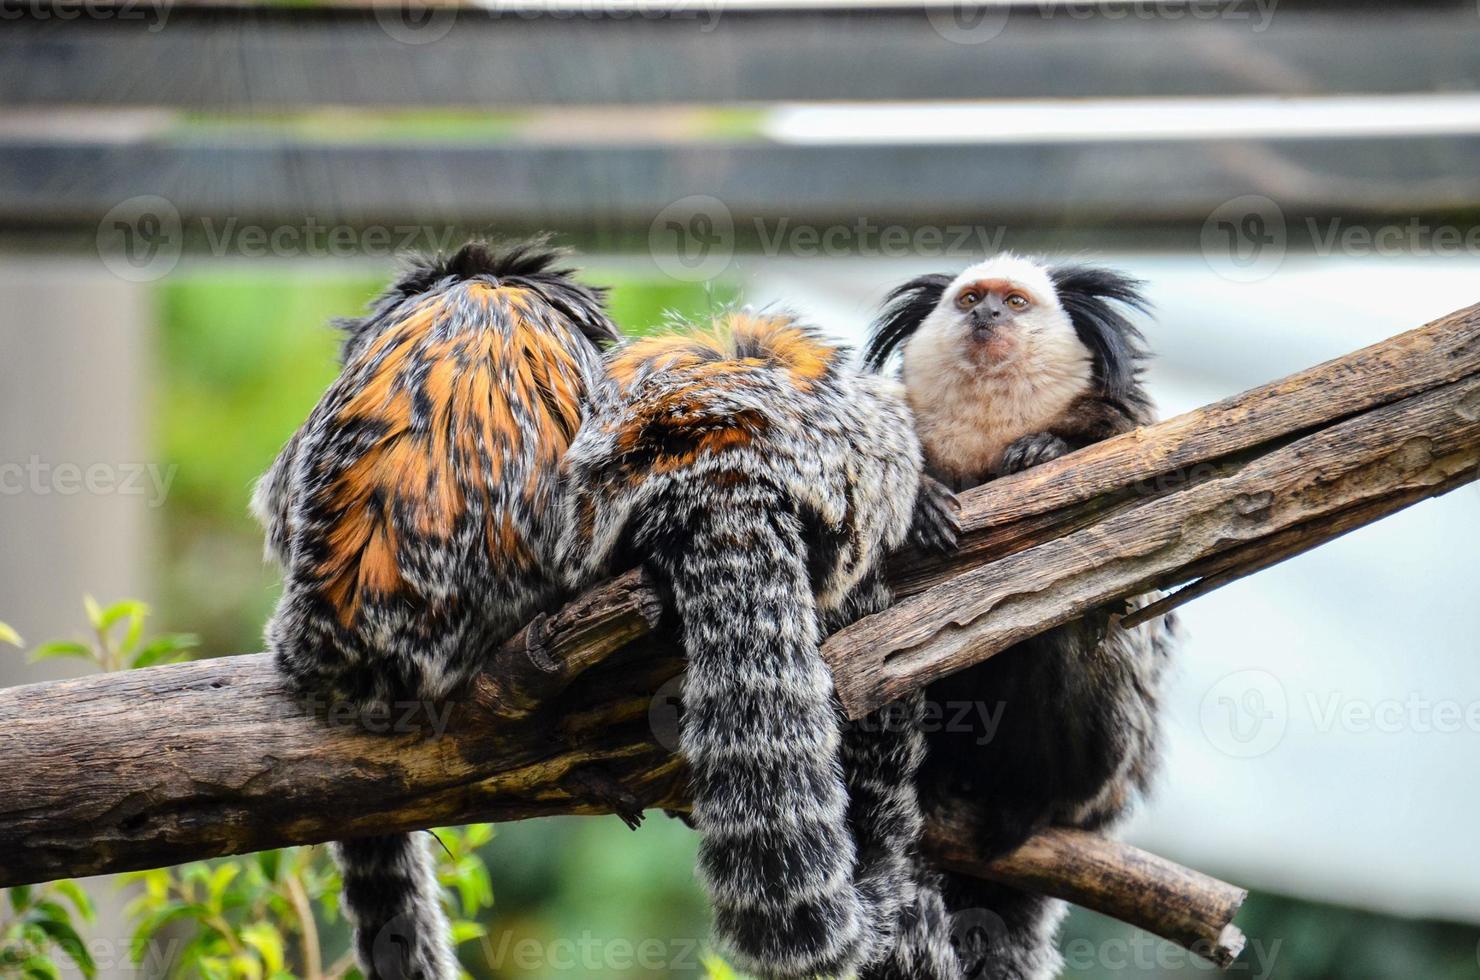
(190, 191)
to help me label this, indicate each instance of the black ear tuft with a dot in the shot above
(1094, 298)
(905, 308)
(531, 264)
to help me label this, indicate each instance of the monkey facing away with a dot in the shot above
(414, 516)
(763, 479)
(1008, 365)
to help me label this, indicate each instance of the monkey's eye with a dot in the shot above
(1017, 301)
(968, 298)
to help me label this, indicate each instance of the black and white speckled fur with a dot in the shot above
(764, 480)
(999, 384)
(413, 514)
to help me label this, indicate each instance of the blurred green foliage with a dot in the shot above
(116, 639)
(252, 917)
(37, 922)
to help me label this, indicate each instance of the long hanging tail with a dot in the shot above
(391, 895)
(882, 754)
(913, 937)
(761, 737)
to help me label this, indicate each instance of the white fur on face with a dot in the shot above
(973, 399)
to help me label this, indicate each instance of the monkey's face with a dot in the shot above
(1001, 315)
(995, 314)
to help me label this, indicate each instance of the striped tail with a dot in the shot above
(392, 897)
(761, 735)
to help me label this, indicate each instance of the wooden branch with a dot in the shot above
(170, 764)
(120, 772)
(1113, 878)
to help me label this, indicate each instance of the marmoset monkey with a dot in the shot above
(763, 479)
(1008, 365)
(414, 515)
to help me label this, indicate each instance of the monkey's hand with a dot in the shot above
(1033, 450)
(937, 518)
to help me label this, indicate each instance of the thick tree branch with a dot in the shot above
(126, 771)
(171, 764)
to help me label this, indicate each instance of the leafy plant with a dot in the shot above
(36, 922)
(256, 917)
(117, 640)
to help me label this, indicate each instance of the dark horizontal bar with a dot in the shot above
(623, 189)
(154, 53)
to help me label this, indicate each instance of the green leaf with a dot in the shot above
(220, 880)
(195, 873)
(268, 944)
(269, 862)
(132, 635)
(476, 835)
(73, 893)
(65, 937)
(40, 968)
(20, 897)
(46, 910)
(170, 648)
(717, 969)
(60, 648)
(9, 635)
(157, 920)
(116, 613)
(243, 965)
(465, 931)
(157, 882)
(94, 611)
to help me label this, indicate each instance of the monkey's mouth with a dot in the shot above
(988, 343)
